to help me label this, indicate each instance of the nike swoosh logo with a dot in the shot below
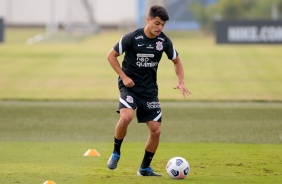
(139, 45)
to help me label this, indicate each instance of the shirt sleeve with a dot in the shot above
(123, 44)
(170, 50)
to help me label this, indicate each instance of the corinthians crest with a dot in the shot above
(129, 99)
(159, 46)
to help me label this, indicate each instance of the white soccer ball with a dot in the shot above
(177, 168)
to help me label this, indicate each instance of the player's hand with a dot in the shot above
(128, 82)
(185, 92)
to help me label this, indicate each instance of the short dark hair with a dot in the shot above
(158, 11)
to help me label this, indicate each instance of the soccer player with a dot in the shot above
(137, 83)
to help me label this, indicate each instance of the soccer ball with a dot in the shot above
(177, 168)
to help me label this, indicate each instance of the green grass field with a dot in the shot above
(79, 70)
(58, 99)
(224, 142)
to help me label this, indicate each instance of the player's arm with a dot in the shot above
(180, 74)
(112, 58)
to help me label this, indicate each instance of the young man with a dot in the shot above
(138, 83)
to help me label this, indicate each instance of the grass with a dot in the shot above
(226, 142)
(79, 70)
(56, 102)
(88, 121)
(36, 162)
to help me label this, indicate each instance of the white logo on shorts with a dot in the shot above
(129, 99)
(153, 105)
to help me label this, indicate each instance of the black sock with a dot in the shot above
(117, 145)
(148, 156)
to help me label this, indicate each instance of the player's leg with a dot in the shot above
(126, 116)
(151, 113)
(150, 149)
(154, 136)
(126, 109)
(152, 143)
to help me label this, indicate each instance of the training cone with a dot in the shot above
(91, 152)
(49, 182)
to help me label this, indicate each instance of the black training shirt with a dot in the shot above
(141, 59)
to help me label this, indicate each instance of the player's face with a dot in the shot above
(155, 26)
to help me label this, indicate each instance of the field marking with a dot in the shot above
(36, 38)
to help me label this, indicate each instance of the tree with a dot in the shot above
(207, 14)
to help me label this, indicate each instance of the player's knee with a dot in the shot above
(126, 116)
(125, 120)
(156, 133)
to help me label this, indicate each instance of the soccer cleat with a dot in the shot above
(113, 160)
(147, 172)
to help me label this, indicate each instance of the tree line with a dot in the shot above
(207, 14)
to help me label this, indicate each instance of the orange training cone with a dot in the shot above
(91, 152)
(49, 182)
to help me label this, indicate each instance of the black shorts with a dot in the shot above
(147, 109)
